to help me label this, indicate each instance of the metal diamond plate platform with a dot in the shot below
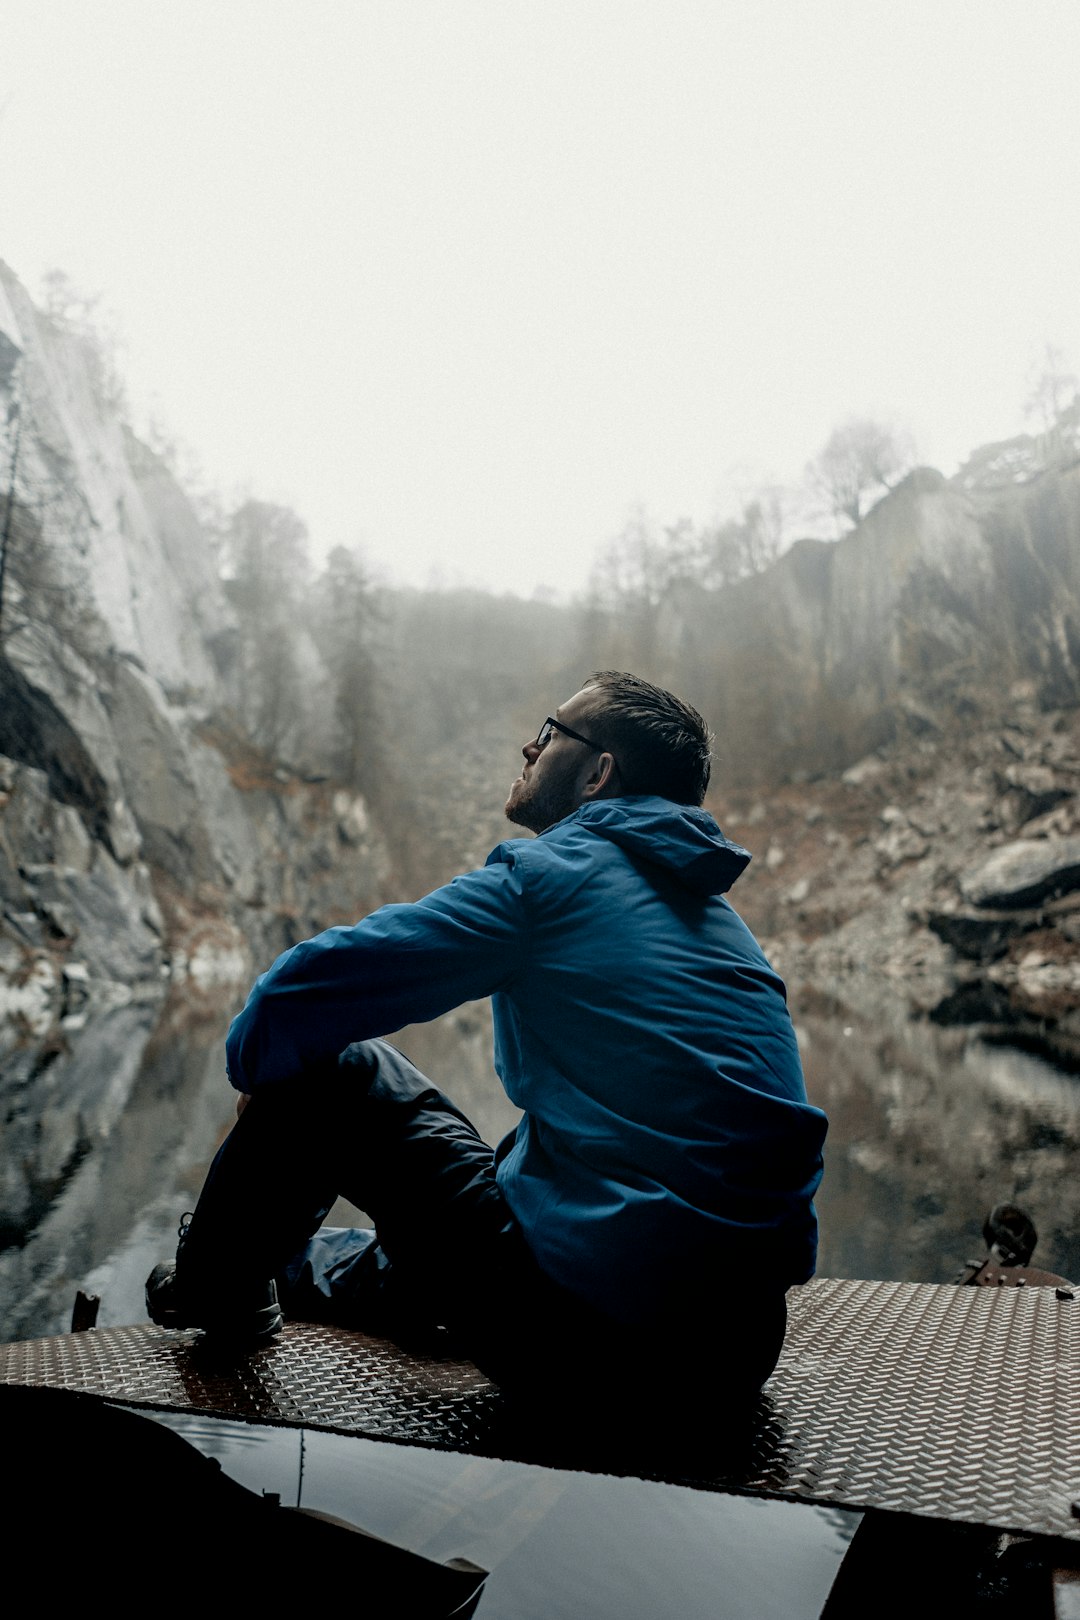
(955, 1403)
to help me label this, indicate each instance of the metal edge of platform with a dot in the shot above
(958, 1404)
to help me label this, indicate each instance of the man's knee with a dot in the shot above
(384, 1074)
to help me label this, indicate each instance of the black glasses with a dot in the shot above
(543, 736)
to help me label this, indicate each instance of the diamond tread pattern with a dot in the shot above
(955, 1403)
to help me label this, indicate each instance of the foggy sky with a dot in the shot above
(467, 281)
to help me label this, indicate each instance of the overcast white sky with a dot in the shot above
(465, 281)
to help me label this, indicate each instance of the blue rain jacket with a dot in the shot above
(666, 1137)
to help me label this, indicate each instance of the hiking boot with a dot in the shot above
(238, 1316)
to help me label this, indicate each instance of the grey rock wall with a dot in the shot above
(937, 610)
(139, 844)
(119, 534)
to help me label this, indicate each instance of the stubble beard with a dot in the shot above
(536, 806)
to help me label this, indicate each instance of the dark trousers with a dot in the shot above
(447, 1256)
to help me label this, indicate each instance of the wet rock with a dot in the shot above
(29, 993)
(218, 956)
(1024, 873)
(76, 988)
(979, 1001)
(979, 936)
(1040, 975)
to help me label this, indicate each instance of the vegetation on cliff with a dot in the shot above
(239, 746)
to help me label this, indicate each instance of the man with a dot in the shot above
(663, 1171)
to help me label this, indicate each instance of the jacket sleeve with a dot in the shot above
(404, 964)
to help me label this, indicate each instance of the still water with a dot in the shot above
(107, 1134)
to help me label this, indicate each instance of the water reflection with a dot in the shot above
(928, 1129)
(106, 1140)
(107, 1135)
(558, 1544)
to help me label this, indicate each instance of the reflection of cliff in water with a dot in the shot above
(97, 1132)
(108, 1137)
(928, 1129)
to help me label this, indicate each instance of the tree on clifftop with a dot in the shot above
(79, 316)
(860, 456)
(1054, 389)
(346, 616)
(267, 564)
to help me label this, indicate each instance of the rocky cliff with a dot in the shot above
(920, 623)
(895, 712)
(899, 739)
(899, 746)
(944, 878)
(142, 838)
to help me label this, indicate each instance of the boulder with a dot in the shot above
(1024, 873)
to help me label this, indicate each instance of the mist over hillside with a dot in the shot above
(211, 749)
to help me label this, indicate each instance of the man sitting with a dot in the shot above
(640, 1227)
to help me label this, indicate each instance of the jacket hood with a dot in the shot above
(684, 841)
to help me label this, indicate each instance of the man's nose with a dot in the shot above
(530, 753)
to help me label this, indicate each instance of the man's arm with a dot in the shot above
(402, 965)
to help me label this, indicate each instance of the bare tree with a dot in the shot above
(639, 568)
(861, 456)
(628, 584)
(1054, 389)
(79, 316)
(744, 545)
(631, 569)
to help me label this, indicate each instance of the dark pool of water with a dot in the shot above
(106, 1139)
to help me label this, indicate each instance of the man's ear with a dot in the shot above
(602, 781)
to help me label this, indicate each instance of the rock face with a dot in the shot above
(944, 604)
(137, 842)
(1024, 873)
(903, 880)
(896, 709)
(113, 528)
